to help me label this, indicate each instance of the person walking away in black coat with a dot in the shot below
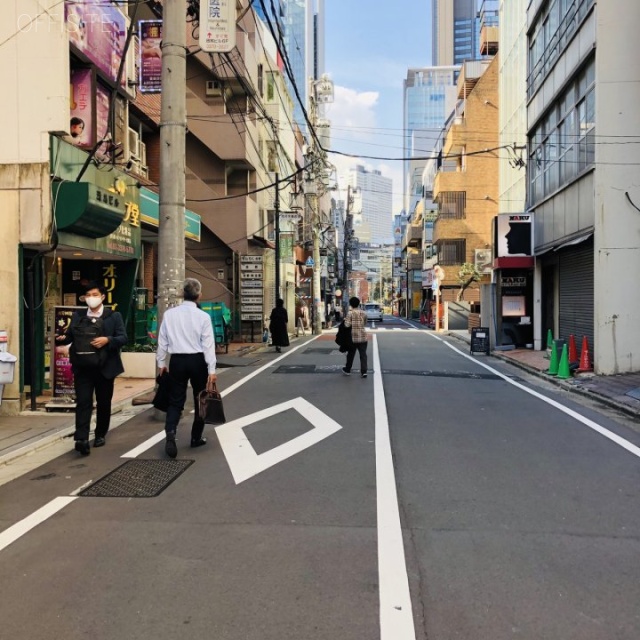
(96, 336)
(278, 326)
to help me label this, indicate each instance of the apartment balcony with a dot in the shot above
(413, 236)
(456, 138)
(470, 72)
(232, 142)
(240, 75)
(414, 262)
(489, 40)
(455, 180)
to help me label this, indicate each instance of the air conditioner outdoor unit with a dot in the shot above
(483, 260)
(133, 144)
(213, 88)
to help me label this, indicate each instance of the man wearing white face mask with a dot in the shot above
(96, 336)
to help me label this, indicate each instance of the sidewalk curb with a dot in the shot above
(586, 393)
(61, 434)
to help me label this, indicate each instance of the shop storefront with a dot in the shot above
(513, 276)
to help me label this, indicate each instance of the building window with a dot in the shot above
(452, 204)
(563, 143)
(551, 35)
(451, 252)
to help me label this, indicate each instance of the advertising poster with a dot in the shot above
(62, 383)
(514, 234)
(102, 118)
(81, 125)
(98, 29)
(150, 63)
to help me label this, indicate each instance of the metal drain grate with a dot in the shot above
(442, 374)
(296, 368)
(137, 479)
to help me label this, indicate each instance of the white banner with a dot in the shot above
(217, 25)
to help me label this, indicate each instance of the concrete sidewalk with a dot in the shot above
(621, 392)
(32, 431)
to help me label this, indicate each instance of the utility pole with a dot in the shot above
(277, 222)
(348, 226)
(173, 126)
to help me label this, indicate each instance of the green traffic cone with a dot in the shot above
(549, 339)
(553, 362)
(563, 367)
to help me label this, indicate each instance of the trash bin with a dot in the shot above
(7, 367)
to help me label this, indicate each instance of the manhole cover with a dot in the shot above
(442, 374)
(323, 350)
(137, 479)
(296, 368)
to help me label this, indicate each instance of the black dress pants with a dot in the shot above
(185, 368)
(87, 382)
(361, 348)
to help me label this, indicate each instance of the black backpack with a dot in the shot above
(82, 353)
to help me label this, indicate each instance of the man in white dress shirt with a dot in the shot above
(186, 333)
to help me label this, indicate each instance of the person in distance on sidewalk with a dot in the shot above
(186, 334)
(278, 326)
(357, 320)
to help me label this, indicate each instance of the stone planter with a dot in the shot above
(138, 365)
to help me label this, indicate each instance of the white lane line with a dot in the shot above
(625, 444)
(20, 528)
(158, 437)
(396, 614)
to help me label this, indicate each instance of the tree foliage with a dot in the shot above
(467, 275)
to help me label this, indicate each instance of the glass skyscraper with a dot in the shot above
(429, 98)
(455, 31)
(303, 22)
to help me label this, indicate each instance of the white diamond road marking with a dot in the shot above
(242, 458)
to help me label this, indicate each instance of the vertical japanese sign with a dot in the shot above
(81, 125)
(109, 281)
(150, 63)
(217, 25)
(62, 373)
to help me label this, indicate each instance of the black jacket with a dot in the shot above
(343, 338)
(113, 328)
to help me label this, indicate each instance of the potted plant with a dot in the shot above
(139, 361)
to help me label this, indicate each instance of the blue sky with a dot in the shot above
(370, 44)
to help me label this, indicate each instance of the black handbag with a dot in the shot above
(161, 398)
(210, 406)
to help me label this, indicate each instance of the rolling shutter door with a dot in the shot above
(576, 266)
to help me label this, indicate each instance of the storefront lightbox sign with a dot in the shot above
(150, 58)
(98, 29)
(62, 373)
(514, 234)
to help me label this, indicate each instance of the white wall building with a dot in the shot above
(583, 89)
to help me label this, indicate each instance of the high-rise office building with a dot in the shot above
(303, 22)
(455, 31)
(372, 210)
(429, 97)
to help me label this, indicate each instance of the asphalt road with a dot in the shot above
(437, 499)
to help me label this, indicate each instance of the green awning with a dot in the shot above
(86, 209)
(150, 214)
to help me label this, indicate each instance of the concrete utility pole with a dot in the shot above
(277, 222)
(346, 257)
(173, 126)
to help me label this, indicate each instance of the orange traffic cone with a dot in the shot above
(573, 354)
(585, 358)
